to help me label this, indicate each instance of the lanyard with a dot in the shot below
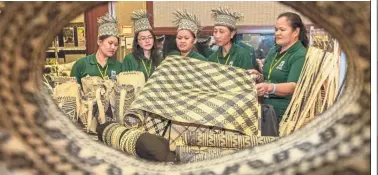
(102, 73)
(273, 66)
(147, 70)
(226, 60)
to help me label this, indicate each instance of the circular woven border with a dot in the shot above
(36, 138)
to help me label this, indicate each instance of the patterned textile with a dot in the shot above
(67, 97)
(90, 84)
(61, 79)
(98, 95)
(224, 140)
(223, 16)
(124, 95)
(86, 115)
(135, 78)
(187, 21)
(174, 132)
(188, 154)
(140, 20)
(107, 25)
(68, 106)
(191, 91)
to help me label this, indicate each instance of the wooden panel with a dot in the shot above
(150, 10)
(255, 13)
(208, 30)
(268, 11)
(91, 27)
(79, 19)
(125, 8)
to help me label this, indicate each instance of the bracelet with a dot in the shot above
(116, 136)
(108, 138)
(124, 139)
(129, 145)
(105, 131)
(274, 89)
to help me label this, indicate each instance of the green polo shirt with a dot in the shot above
(192, 54)
(207, 51)
(251, 51)
(287, 67)
(237, 57)
(89, 66)
(131, 64)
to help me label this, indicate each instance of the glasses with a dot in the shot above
(145, 38)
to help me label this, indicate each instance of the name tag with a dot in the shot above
(231, 63)
(113, 75)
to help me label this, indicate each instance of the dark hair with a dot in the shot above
(138, 52)
(194, 36)
(169, 45)
(103, 37)
(296, 22)
(200, 48)
(235, 36)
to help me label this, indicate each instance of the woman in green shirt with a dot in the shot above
(224, 33)
(188, 27)
(284, 62)
(101, 64)
(145, 56)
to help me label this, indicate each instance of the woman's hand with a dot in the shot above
(264, 89)
(252, 71)
(259, 78)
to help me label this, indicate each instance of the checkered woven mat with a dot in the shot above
(197, 92)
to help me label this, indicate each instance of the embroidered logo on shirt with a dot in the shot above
(279, 67)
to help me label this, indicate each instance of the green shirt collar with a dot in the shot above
(293, 48)
(93, 60)
(192, 54)
(232, 50)
(145, 59)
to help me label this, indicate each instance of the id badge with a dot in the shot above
(231, 63)
(113, 75)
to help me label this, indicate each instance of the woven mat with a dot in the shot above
(197, 92)
(189, 154)
(224, 140)
(175, 134)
